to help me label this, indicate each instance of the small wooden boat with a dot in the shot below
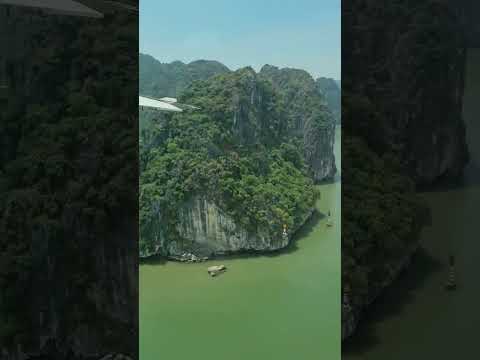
(216, 269)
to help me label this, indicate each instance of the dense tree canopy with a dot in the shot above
(381, 213)
(236, 149)
(330, 88)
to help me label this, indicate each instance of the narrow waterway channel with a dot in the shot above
(416, 318)
(281, 306)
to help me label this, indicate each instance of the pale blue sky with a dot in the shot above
(286, 33)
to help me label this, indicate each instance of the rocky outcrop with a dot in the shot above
(204, 229)
(415, 81)
(319, 155)
(214, 232)
(312, 120)
(238, 162)
(330, 89)
(306, 106)
(402, 101)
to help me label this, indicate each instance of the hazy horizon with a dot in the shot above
(302, 34)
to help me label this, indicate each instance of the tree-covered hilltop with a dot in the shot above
(330, 88)
(312, 121)
(161, 79)
(381, 213)
(237, 152)
(298, 88)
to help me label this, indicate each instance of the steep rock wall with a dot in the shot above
(215, 232)
(405, 62)
(254, 168)
(413, 60)
(312, 120)
(205, 229)
(319, 151)
(330, 89)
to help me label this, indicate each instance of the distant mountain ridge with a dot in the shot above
(170, 79)
(159, 79)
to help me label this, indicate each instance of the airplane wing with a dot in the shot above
(63, 7)
(145, 102)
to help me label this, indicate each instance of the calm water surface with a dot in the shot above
(417, 318)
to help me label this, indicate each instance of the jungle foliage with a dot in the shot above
(236, 149)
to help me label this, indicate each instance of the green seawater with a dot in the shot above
(416, 318)
(281, 306)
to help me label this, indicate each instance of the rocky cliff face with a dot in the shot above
(205, 229)
(416, 82)
(308, 111)
(330, 89)
(402, 91)
(319, 151)
(232, 173)
(104, 284)
(306, 107)
(215, 232)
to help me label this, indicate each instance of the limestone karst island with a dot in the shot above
(236, 169)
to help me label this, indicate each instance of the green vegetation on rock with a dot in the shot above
(402, 128)
(237, 149)
(381, 213)
(330, 88)
(381, 217)
(309, 115)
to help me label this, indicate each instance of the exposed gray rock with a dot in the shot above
(330, 89)
(312, 120)
(215, 232)
(205, 229)
(319, 152)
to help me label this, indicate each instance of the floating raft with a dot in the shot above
(216, 269)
